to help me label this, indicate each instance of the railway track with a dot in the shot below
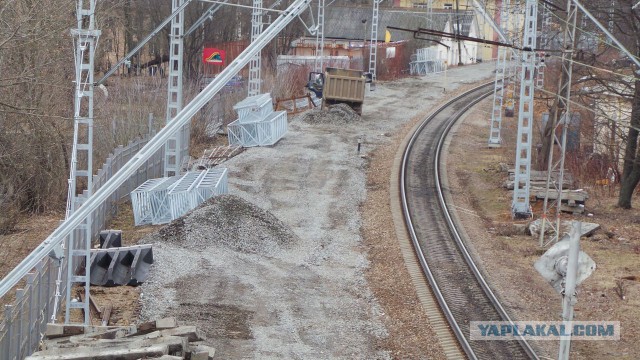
(458, 286)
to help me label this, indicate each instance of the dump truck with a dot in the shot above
(337, 86)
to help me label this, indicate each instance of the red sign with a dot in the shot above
(213, 56)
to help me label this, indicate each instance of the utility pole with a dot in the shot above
(364, 38)
(175, 147)
(544, 43)
(85, 38)
(521, 186)
(569, 297)
(565, 267)
(319, 61)
(561, 117)
(495, 138)
(373, 47)
(458, 33)
(256, 62)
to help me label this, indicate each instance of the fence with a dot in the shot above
(427, 61)
(26, 318)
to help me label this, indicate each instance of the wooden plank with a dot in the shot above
(106, 315)
(575, 196)
(145, 328)
(95, 307)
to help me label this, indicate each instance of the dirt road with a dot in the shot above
(309, 297)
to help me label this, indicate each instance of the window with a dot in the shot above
(448, 6)
(391, 52)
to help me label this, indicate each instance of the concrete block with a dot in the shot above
(166, 323)
(121, 266)
(189, 332)
(152, 335)
(60, 330)
(199, 355)
(202, 352)
(109, 353)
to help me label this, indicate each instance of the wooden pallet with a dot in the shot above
(216, 156)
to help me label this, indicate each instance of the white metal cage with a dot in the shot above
(260, 133)
(426, 61)
(254, 108)
(159, 201)
(148, 200)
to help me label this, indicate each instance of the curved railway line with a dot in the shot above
(459, 287)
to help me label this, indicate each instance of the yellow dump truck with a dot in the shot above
(337, 86)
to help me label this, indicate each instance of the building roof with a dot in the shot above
(346, 22)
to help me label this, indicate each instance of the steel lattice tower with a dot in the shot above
(544, 43)
(561, 117)
(78, 255)
(255, 64)
(373, 46)
(512, 65)
(319, 60)
(495, 138)
(521, 186)
(178, 144)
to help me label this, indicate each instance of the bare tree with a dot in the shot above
(593, 52)
(36, 67)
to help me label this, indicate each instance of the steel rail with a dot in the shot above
(463, 248)
(458, 332)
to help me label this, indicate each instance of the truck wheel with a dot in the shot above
(358, 109)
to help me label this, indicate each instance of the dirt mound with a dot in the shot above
(230, 221)
(334, 114)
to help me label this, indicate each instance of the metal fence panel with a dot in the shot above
(26, 318)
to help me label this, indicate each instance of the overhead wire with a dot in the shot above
(595, 67)
(594, 35)
(579, 105)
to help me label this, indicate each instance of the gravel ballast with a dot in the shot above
(278, 268)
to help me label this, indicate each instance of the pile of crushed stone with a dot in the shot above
(333, 114)
(232, 222)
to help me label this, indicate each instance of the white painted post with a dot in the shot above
(569, 298)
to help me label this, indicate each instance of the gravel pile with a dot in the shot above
(230, 221)
(334, 114)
